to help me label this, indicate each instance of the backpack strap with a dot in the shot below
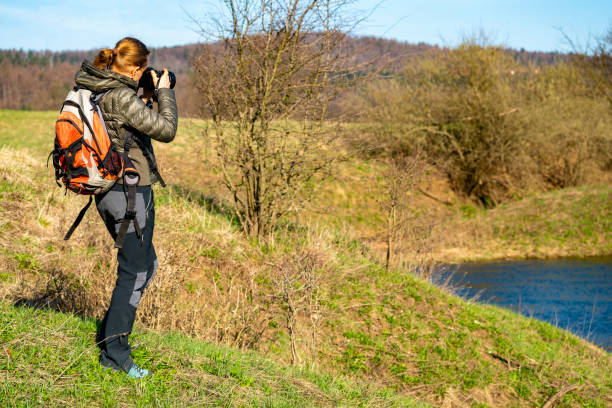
(95, 100)
(149, 155)
(81, 114)
(130, 212)
(78, 220)
(130, 182)
(151, 160)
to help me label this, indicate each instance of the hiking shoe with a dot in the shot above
(137, 372)
(134, 371)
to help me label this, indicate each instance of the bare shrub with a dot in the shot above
(267, 85)
(84, 291)
(595, 68)
(567, 126)
(462, 107)
(400, 180)
(63, 291)
(243, 311)
(595, 65)
(496, 127)
(298, 282)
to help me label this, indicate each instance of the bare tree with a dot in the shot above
(400, 178)
(409, 226)
(299, 286)
(267, 84)
(595, 64)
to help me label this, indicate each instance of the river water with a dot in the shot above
(574, 294)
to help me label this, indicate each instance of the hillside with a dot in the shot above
(23, 72)
(48, 359)
(405, 338)
(572, 222)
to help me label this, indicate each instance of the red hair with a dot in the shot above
(128, 53)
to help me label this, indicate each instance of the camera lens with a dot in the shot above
(146, 80)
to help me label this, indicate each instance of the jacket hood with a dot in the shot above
(100, 80)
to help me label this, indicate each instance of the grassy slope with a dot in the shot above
(569, 222)
(387, 327)
(574, 222)
(48, 359)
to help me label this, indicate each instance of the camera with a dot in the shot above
(146, 80)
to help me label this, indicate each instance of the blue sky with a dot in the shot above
(84, 25)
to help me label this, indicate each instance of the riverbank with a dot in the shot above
(571, 293)
(568, 223)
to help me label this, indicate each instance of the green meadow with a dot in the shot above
(213, 327)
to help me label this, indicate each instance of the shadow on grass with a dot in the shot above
(214, 205)
(211, 203)
(62, 293)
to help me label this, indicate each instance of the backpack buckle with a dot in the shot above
(130, 214)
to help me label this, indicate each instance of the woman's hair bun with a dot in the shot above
(128, 52)
(104, 58)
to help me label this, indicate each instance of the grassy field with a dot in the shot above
(406, 339)
(573, 222)
(49, 359)
(564, 223)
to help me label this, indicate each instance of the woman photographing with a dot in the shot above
(115, 75)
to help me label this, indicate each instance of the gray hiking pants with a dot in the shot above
(137, 263)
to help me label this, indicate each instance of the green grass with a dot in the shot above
(569, 222)
(574, 222)
(49, 359)
(422, 336)
(34, 130)
(398, 334)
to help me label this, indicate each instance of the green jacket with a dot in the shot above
(122, 109)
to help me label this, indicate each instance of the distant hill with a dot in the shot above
(39, 80)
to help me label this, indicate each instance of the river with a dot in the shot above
(574, 294)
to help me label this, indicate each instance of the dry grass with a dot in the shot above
(574, 222)
(212, 283)
(78, 275)
(384, 327)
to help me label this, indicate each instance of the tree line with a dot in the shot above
(39, 80)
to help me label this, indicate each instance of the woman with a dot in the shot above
(115, 74)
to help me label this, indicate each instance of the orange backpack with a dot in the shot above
(86, 161)
(83, 156)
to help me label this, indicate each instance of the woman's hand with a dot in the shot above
(164, 81)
